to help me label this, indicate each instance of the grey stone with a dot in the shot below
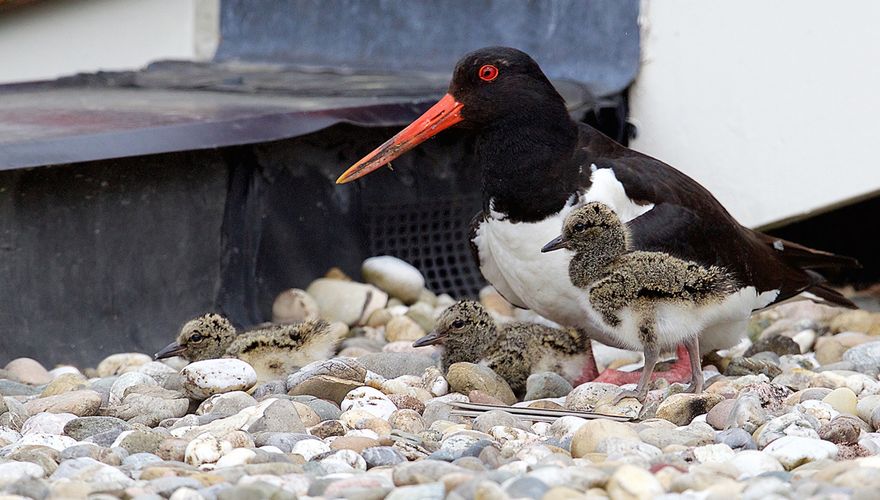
(423, 471)
(737, 439)
(226, 404)
(165, 486)
(270, 388)
(396, 364)
(142, 442)
(778, 344)
(527, 487)
(84, 427)
(257, 489)
(865, 357)
(739, 366)
(149, 405)
(427, 491)
(377, 456)
(35, 488)
(137, 461)
(326, 410)
(492, 418)
(280, 416)
(284, 441)
(13, 388)
(546, 385)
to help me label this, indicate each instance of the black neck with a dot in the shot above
(527, 164)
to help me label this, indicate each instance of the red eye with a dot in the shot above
(488, 73)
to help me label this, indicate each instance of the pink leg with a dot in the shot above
(590, 371)
(679, 372)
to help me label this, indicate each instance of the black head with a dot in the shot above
(496, 82)
(584, 225)
(205, 337)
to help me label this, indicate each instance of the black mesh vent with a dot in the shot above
(434, 237)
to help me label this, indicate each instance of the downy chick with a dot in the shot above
(274, 351)
(513, 350)
(649, 301)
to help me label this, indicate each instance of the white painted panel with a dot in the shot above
(772, 105)
(49, 39)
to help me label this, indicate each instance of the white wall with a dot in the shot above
(772, 105)
(51, 38)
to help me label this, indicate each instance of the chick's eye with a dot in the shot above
(580, 227)
(488, 73)
(196, 338)
(458, 324)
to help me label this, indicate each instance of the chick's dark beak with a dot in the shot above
(432, 338)
(170, 350)
(555, 244)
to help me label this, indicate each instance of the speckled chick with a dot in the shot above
(644, 300)
(274, 351)
(513, 350)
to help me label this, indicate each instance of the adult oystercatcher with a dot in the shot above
(537, 164)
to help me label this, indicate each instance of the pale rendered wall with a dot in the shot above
(772, 105)
(49, 39)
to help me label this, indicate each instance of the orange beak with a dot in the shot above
(444, 114)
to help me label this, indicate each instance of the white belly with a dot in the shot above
(719, 325)
(511, 258)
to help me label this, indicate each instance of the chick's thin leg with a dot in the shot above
(693, 350)
(652, 353)
(679, 372)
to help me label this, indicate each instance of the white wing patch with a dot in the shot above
(608, 190)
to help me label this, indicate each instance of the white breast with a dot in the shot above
(511, 258)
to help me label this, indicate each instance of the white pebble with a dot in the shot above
(205, 448)
(41, 439)
(238, 456)
(713, 453)
(350, 458)
(47, 423)
(12, 472)
(63, 370)
(203, 379)
(126, 380)
(792, 451)
(370, 400)
(751, 463)
(309, 448)
(395, 276)
(186, 494)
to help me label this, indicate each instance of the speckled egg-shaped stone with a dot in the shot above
(203, 379)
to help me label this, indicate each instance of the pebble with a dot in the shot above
(794, 415)
(843, 400)
(346, 301)
(681, 409)
(466, 377)
(546, 385)
(865, 357)
(793, 451)
(204, 379)
(294, 305)
(81, 403)
(396, 277)
(28, 371)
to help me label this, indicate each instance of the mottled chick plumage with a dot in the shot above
(645, 300)
(274, 351)
(513, 350)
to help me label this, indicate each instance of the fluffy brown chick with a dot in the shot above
(274, 351)
(513, 350)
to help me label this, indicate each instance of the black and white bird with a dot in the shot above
(538, 164)
(514, 350)
(274, 351)
(648, 301)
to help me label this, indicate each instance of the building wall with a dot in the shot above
(771, 105)
(48, 39)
